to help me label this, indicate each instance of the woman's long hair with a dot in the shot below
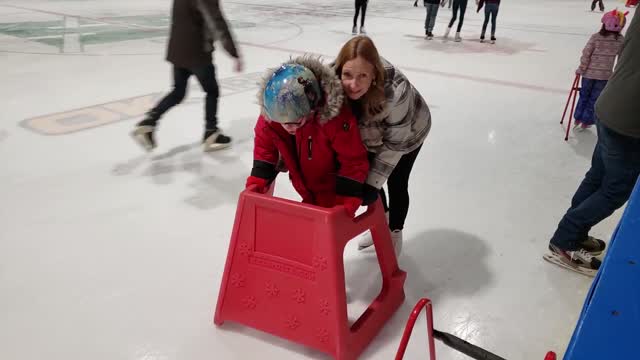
(373, 101)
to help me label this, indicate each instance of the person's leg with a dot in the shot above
(355, 17)
(619, 162)
(207, 77)
(180, 79)
(364, 13)
(588, 117)
(456, 7)
(583, 99)
(398, 186)
(494, 19)
(487, 14)
(463, 9)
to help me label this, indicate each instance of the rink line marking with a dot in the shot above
(478, 79)
(89, 117)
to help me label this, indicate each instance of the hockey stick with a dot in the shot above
(452, 341)
(465, 347)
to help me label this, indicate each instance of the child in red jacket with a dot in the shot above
(305, 124)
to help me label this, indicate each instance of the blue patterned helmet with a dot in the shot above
(291, 93)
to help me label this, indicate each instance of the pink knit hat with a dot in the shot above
(614, 20)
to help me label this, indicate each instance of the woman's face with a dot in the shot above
(357, 76)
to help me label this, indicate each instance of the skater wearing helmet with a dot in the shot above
(305, 124)
(615, 164)
(596, 66)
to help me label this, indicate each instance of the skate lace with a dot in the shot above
(581, 254)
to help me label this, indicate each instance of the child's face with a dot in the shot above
(292, 127)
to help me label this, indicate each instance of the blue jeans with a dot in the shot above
(615, 167)
(432, 13)
(490, 10)
(589, 93)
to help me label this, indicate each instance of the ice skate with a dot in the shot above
(215, 140)
(446, 34)
(580, 261)
(143, 134)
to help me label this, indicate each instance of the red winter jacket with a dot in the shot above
(326, 156)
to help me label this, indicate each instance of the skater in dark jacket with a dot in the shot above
(195, 24)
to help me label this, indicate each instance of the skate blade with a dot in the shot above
(215, 147)
(141, 140)
(556, 259)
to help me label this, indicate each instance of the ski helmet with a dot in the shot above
(292, 92)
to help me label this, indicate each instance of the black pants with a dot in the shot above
(207, 77)
(599, 2)
(462, 6)
(360, 4)
(398, 186)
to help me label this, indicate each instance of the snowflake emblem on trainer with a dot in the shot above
(323, 335)
(324, 307)
(298, 296)
(292, 322)
(249, 302)
(320, 262)
(237, 280)
(272, 290)
(244, 249)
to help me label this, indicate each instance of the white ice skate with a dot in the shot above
(143, 135)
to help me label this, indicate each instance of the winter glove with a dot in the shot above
(443, 3)
(260, 183)
(369, 194)
(350, 203)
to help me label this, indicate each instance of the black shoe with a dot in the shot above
(143, 133)
(215, 140)
(493, 39)
(481, 38)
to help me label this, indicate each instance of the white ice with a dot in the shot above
(109, 253)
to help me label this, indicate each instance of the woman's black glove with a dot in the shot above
(369, 195)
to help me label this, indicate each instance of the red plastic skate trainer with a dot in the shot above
(284, 274)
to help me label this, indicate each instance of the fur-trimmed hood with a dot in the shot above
(333, 94)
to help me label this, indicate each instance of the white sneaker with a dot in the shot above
(446, 33)
(396, 239)
(354, 30)
(362, 30)
(458, 37)
(366, 240)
